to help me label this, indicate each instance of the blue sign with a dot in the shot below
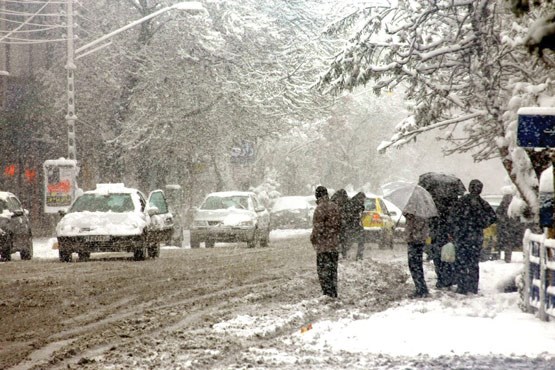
(243, 154)
(536, 128)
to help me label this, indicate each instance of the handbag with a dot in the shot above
(448, 253)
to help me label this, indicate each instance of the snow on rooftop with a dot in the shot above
(537, 111)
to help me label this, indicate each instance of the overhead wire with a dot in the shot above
(27, 27)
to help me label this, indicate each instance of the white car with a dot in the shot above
(291, 212)
(114, 218)
(231, 216)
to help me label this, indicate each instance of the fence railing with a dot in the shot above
(539, 275)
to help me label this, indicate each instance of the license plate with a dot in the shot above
(97, 238)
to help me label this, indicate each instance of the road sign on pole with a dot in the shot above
(60, 184)
(536, 127)
(243, 153)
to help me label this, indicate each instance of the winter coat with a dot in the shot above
(341, 198)
(416, 229)
(326, 226)
(510, 231)
(353, 213)
(469, 217)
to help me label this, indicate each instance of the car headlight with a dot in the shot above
(67, 228)
(246, 223)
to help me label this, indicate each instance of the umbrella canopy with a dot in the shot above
(410, 198)
(442, 186)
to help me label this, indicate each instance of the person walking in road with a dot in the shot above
(510, 231)
(355, 230)
(325, 240)
(341, 198)
(469, 217)
(416, 233)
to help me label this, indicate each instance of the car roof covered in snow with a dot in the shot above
(230, 193)
(110, 189)
(5, 194)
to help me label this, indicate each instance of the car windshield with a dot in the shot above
(216, 202)
(370, 204)
(103, 203)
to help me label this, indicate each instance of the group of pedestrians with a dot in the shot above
(352, 231)
(336, 226)
(461, 221)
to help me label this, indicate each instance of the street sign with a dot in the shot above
(243, 154)
(60, 184)
(536, 127)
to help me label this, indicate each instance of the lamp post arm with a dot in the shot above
(193, 5)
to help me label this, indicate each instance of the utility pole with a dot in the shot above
(70, 67)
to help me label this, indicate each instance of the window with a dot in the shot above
(157, 200)
(13, 204)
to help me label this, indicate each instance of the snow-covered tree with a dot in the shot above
(461, 62)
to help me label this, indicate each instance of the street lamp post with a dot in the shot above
(74, 54)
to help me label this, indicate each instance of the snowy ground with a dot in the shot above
(446, 324)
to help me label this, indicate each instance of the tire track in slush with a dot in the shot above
(65, 342)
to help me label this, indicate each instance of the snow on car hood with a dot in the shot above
(101, 223)
(229, 217)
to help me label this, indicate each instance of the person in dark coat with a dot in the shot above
(469, 217)
(416, 233)
(510, 230)
(325, 240)
(341, 198)
(439, 232)
(355, 230)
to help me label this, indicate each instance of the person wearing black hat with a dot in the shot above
(469, 217)
(325, 240)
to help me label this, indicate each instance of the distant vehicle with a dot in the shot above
(15, 228)
(114, 218)
(377, 222)
(397, 217)
(489, 246)
(291, 212)
(232, 216)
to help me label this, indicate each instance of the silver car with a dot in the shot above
(232, 216)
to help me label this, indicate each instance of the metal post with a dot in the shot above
(527, 278)
(543, 266)
(70, 67)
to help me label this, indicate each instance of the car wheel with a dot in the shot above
(6, 249)
(154, 250)
(209, 243)
(140, 252)
(64, 255)
(84, 256)
(194, 243)
(265, 240)
(27, 253)
(252, 243)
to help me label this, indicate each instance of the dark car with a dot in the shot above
(15, 228)
(291, 212)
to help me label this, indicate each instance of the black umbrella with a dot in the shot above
(442, 186)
